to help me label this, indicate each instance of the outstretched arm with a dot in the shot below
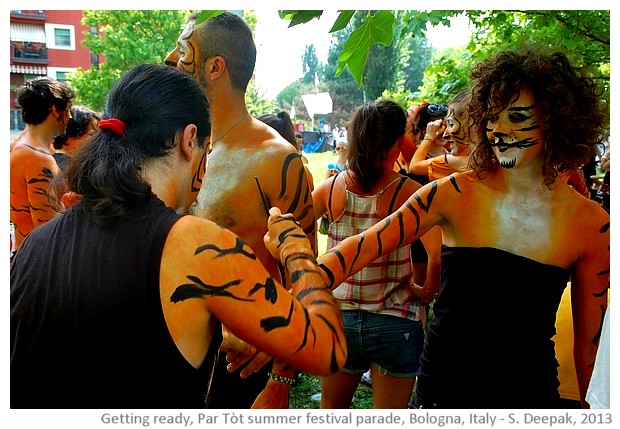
(207, 270)
(413, 219)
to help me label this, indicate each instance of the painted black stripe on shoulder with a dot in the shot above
(307, 209)
(285, 167)
(271, 290)
(456, 186)
(293, 207)
(415, 213)
(429, 199)
(239, 249)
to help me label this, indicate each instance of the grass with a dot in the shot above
(308, 385)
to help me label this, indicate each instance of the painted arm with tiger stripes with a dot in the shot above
(303, 328)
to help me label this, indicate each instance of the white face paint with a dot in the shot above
(515, 133)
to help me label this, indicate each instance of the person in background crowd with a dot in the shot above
(341, 164)
(421, 117)
(82, 125)
(510, 229)
(117, 302)
(46, 105)
(454, 134)
(251, 168)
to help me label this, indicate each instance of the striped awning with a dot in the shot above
(42, 71)
(21, 32)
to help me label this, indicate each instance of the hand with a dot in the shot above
(285, 236)
(274, 396)
(240, 353)
(422, 294)
(434, 129)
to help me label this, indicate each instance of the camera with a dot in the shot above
(437, 110)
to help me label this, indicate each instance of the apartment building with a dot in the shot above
(45, 43)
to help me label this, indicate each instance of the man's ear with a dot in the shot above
(215, 66)
(189, 141)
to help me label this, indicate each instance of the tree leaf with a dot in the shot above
(343, 19)
(378, 28)
(299, 16)
(208, 14)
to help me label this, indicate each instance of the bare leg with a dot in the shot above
(337, 390)
(390, 392)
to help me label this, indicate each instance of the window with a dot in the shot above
(62, 37)
(62, 76)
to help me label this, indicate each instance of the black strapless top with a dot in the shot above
(490, 345)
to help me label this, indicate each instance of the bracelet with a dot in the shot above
(281, 378)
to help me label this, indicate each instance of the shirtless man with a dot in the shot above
(513, 236)
(251, 167)
(46, 105)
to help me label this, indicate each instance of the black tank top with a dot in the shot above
(87, 327)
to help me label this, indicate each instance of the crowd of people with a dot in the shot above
(165, 255)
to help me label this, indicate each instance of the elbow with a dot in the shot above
(332, 363)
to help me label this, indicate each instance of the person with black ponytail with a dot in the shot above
(117, 302)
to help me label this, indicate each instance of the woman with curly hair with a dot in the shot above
(513, 236)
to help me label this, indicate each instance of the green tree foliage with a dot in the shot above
(126, 38)
(446, 75)
(584, 35)
(309, 64)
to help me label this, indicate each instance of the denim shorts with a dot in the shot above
(394, 344)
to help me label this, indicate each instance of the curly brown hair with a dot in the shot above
(573, 113)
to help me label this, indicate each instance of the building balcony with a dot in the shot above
(29, 52)
(33, 15)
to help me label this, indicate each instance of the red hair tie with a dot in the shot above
(115, 125)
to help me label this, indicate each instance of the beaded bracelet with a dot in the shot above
(281, 379)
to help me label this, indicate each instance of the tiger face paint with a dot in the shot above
(186, 55)
(515, 133)
(455, 132)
